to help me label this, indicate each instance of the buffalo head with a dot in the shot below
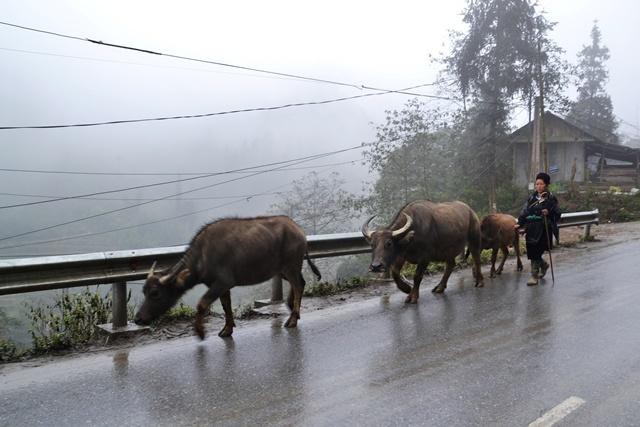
(386, 244)
(160, 294)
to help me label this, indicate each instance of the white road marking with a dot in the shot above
(558, 413)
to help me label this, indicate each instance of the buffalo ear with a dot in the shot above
(408, 238)
(182, 278)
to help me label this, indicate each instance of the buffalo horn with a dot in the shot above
(403, 229)
(152, 268)
(365, 228)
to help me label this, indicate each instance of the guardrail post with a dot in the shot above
(276, 289)
(119, 298)
(119, 324)
(587, 232)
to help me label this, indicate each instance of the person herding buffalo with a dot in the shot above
(539, 217)
(422, 232)
(226, 253)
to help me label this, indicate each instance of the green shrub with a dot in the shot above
(8, 351)
(179, 312)
(613, 207)
(243, 311)
(326, 288)
(69, 321)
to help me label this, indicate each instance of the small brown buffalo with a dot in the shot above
(498, 232)
(226, 253)
(422, 232)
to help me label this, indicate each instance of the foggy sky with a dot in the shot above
(379, 44)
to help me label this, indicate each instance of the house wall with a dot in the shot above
(521, 163)
(561, 156)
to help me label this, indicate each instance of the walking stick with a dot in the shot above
(546, 232)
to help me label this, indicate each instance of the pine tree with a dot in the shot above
(493, 63)
(593, 110)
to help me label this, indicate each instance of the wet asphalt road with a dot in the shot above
(501, 355)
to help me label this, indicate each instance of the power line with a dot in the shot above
(404, 91)
(628, 123)
(129, 227)
(98, 193)
(41, 171)
(576, 122)
(258, 70)
(86, 58)
(131, 199)
(168, 196)
(78, 236)
(186, 58)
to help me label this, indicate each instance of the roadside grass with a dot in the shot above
(322, 289)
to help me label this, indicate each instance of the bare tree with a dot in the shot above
(320, 205)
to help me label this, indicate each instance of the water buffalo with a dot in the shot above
(226, 253)
(498, 232)
(422, 232)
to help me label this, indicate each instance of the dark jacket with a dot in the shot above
(531, 216)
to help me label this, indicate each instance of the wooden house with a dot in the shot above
(575, 155)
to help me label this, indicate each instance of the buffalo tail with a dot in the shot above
(312, 266)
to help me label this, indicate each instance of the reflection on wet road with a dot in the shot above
(500, 355)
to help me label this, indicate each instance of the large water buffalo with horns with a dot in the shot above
(422, 232)
(226, 253)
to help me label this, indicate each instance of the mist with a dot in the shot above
(50, 80)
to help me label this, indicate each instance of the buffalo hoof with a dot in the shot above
(404, 287)
(493, 274)
(519, 267)
(411, 299)
(225, 332)
(438, 289)
(291, 322)
(480, 285)
(499, 271)
(199, 329)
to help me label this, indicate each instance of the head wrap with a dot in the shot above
(544, 177)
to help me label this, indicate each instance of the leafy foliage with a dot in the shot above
(8, 351)
(413, 155)
(505, 54)
(612, 207)
(593, 110)
(327, 288)
(181, 311)
(319, 205)
(69, 321)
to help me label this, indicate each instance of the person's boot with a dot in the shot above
(535, 269)
(544, 266)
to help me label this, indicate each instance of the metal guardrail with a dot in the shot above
(118, 267)
(68, 271)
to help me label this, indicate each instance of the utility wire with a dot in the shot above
(129, 227)
(186, 58)
(628, 123)
(79, 196)
(141, 64)
(78, 236)
(333, 82)
(165, 197)
(41, 171)
(131, 199)
(404, 91)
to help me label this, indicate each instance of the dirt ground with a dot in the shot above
(570, 242)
